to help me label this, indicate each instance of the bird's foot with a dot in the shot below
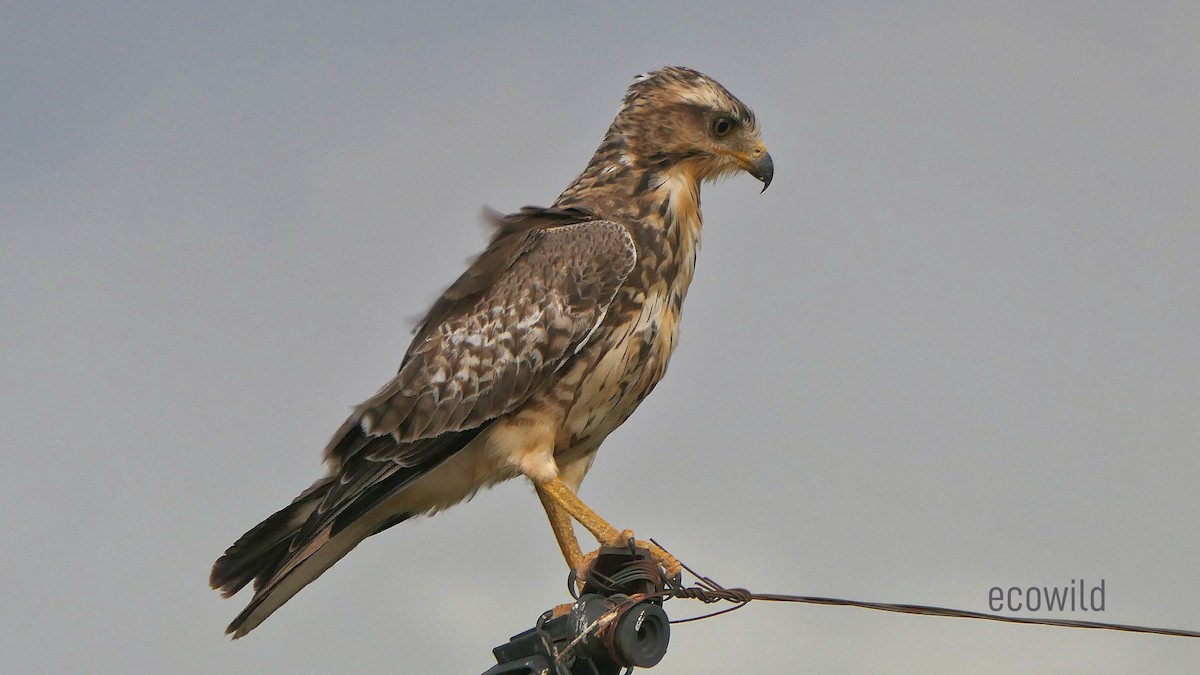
(670, 565)
(668, 562)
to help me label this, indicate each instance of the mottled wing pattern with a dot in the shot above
(532, 299)
(486, 358)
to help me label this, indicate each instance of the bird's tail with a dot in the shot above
(287, 551)
(264, 555)
(256, 554)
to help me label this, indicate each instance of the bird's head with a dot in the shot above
(676, 119)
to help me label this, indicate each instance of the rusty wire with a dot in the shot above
(608, 631)
(709, 591)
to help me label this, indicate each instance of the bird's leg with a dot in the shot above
(564, 532)
(554, 491)
(564, 529)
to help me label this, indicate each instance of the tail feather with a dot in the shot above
(270, 555)
(294, 546)
(256, 554)
(300, 569)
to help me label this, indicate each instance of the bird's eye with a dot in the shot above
(722, 126)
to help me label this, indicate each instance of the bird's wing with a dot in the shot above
(496, 336)
(525, 306)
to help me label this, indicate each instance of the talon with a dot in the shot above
(624, 538)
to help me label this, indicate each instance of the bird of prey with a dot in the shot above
(544, 346)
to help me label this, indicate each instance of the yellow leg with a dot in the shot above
(564, 529)
(557, 498)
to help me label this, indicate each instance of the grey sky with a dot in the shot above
(954, 346)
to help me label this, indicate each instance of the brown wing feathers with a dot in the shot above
(490, 350)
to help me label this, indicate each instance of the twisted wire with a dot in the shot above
(709, 591)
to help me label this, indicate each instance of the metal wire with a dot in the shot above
(708, 591)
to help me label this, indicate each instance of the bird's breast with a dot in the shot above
(622, 369)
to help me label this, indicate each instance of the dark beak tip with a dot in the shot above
(763, 169)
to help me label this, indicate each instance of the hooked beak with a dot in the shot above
(763, 169)
(758, 164)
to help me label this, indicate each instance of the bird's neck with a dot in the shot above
(677, 197)
(657, 199)
(609, 184)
